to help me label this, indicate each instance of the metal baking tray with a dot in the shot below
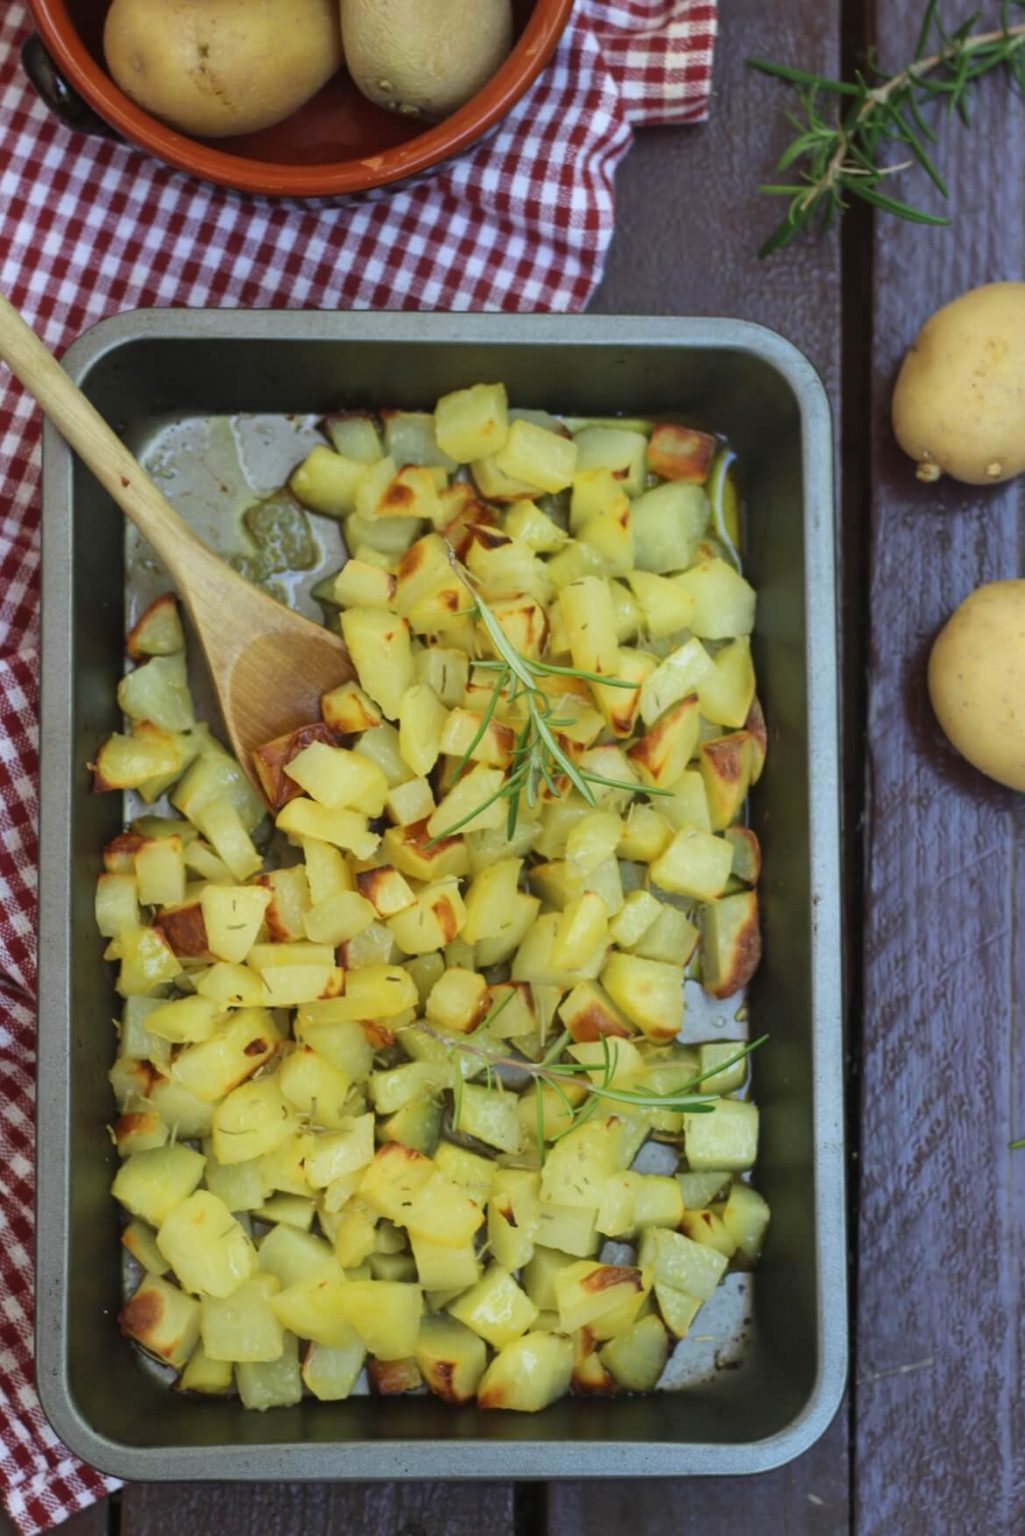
(212, 399)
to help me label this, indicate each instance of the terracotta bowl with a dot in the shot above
(337, 144)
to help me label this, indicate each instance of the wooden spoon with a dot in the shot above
(269, 666)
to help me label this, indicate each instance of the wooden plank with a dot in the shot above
(807, 1498)
(940, 1430)
(318, 1509)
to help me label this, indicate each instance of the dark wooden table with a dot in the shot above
(931, 1440)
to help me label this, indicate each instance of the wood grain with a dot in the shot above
(807, 1498)
(319, 1509)
(940, 1427)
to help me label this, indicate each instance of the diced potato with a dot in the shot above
(680, 675)
(181, 1110)
(273, 1383)
(724, 603)
(701, 1189)
(232, 986)
(416, 853)
(519, 916)
(385, 1314)
(645, 834)
(254, 1118)
(539, 458)
(475, 803)
(585, 1293)
(232, 916)
(586, 607)
(139, 1130)
(491, 1116)
(671, 939)
(747, 854)
(640, 909)
(242, 1325)
(668, 524)
(472, 423)
(528, 1374)
(495, 1308)
(163, 1320)
(117, 905)
(339, 779)
(675, 1260)
(147, 962)
(326, 482)
(422, 718)
(708, 1228)
(141, 1242)
(330, 1373)
(312, 1309)
(725, 1138)
(661, 755)
(746, 1217)
(637, 1357)
(379, 644)
(212, 1378)
(158, 691)
(293, 1257)
(185, 1020)
(581, 929)
(649, 992)
(151, 1184)
(589, 1013)
(212, 775)
(289, 902)
(528, 523)
(158, 630)
(442, 1267)
(213, 1067)
(617, 449)
(534, 961)
(360, 584)
(451, 1358)
(731, 944)
(459, 1000)
(205, 1245)
(676, 452)
(432, 922)
(160, 872)
(338, 919)
(348, 709)
(348, 829)
(569, 1228)
(727, 692)
(678, 1308)
(695, 864)
(315, 1088)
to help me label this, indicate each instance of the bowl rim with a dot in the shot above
(529, 55)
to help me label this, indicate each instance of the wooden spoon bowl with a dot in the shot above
(269, 666)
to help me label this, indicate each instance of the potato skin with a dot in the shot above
(424, 58)
(977, 680)
(959, 401)
(213, 68)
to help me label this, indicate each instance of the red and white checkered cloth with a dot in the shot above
(89, 227)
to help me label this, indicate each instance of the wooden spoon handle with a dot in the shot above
(81, 425)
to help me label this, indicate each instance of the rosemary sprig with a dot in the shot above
(552, 1072)
(539, 759)
(1013, 1146)
(841, 153)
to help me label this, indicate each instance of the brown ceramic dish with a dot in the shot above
(338, 144)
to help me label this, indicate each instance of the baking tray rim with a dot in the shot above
(383, 1459)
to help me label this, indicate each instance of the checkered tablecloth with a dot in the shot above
(89, 227)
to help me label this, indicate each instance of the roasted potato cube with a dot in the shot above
(242, 1325)
(495, 1308)
(528, 1374)
(272, 1383)
(150, 1184)
(472, 423)
(253, 1119)
(379, 644)
(695, 864)
(432, 922)
(727, 692)
(326, 482)
(637, 1357)
(725, 1138)
(162, 1319)
(746, 1218)
(731, 943)
(724, 603)
(271, 760)
(451, 1358)
(649, 992)
(158, 692)
(386, 1315)
(157, 631)
(680, 453)
(360, 584)
(422, 720)
(675, 1260)
(205, 1245)
(348, 709)
(330, 1373)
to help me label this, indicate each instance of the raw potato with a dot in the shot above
(220, 67)
(977, 680)
(959, 404)
(424, 58)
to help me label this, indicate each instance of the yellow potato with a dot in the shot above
(959, 403)
(220, 67)
(977, 680)
(424, 58)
